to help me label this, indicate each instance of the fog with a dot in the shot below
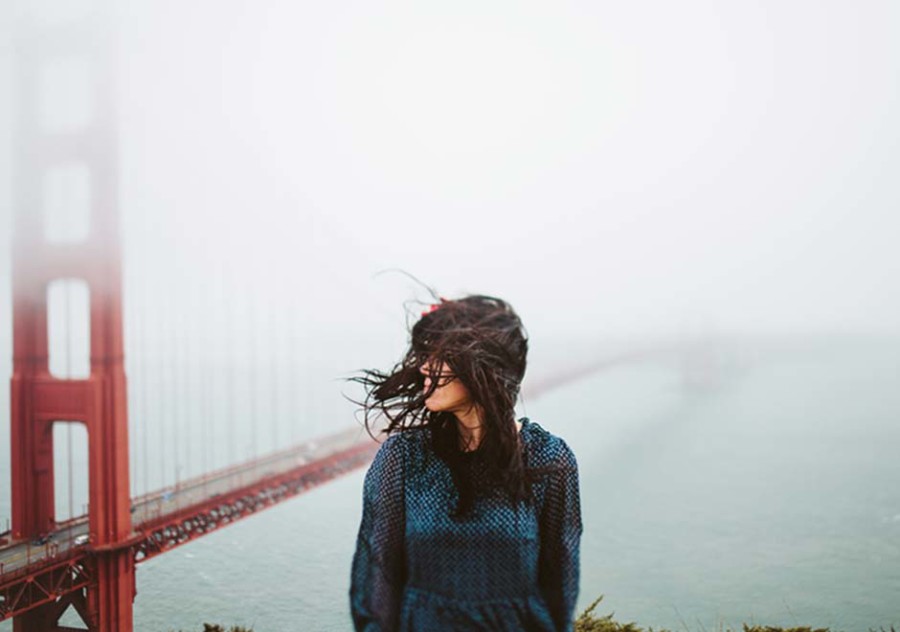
(608, 168)
(287, 173)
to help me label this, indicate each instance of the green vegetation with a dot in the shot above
(587, 621)
(211, 627)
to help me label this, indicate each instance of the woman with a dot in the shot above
(471, 519)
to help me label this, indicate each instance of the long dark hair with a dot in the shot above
(484, 343)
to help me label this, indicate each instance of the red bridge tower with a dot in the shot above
(46, 145)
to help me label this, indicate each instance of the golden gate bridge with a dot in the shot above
(86, 561)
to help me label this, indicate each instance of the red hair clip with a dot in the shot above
(433, 307)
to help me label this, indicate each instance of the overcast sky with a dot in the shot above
(609, 168)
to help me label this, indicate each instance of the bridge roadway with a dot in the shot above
(155, 507)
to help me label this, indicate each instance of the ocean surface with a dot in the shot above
(767, 492)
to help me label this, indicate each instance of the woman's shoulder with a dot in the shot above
(546, 448)
(403, 452)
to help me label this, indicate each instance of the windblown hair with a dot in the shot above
(485, 345)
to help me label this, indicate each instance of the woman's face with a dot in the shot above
(449, 395)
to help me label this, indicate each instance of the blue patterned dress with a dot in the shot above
(501, 567)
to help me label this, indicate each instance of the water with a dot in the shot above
(772, 498)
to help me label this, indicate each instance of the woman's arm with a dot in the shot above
(560, 533)
(378, 572)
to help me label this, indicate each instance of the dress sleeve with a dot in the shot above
(379, 563)
(560, 535)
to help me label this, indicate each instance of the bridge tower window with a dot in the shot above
(69, 329)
